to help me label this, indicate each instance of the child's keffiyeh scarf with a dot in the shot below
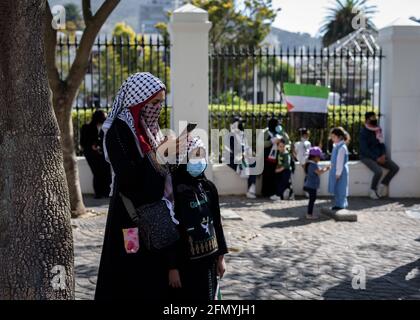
(132, 105)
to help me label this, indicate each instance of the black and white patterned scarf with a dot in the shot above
(139, 88)
(136, 89)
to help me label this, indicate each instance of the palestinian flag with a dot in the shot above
(307, 104)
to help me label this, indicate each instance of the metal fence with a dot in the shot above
(248, 83)
(242, 82)
(112, 60)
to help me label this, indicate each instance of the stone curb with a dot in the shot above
(340, 215)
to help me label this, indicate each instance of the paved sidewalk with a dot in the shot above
(277, 254)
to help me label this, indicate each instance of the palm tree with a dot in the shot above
(415, 19)
(338, 22)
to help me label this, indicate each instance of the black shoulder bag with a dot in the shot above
(156, 228)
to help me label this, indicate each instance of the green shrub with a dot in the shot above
(257, 116)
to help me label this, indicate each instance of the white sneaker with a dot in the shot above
(383, 190)
(275, 198)
(252, 189)
(251, 195)
(373, 195)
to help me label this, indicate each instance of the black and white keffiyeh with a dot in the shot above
(136, 89)
(193, 143)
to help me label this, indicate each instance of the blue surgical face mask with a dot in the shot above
(195, 167)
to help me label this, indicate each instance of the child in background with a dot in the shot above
(283, 170)
(312, 180)
(200, 261)
(338, 183)
(301, 150)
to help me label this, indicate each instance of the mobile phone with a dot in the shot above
(191, 126)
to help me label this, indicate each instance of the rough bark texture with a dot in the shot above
(35, 228)
(65, 90)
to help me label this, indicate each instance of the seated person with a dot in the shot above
(373, 155)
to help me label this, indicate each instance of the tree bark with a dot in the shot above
(65, 90)
(62, 102)
(36, 244)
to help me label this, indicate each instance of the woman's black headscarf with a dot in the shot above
(272, 124)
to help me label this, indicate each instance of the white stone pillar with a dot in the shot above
(189, 29)
(400, 103)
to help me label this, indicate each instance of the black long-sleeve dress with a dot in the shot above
(140, 275)
(198, 277)
(89, 137)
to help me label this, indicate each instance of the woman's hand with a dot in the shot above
(174, 278)
(381, 160)
(171, 146)
(221, 266)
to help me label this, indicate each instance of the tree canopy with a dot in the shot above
(344, 16)
(233, 24)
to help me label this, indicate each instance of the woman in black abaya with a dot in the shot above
(132, 135)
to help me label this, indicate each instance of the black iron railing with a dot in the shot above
(112, 60)
(249, 83)
(242, 82)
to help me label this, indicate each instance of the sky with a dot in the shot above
(307, 15)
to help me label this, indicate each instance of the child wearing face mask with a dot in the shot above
(283, 171)
(202, 246)
(338, 182)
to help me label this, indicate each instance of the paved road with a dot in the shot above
(277, 254)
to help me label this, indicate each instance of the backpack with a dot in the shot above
(193, 208)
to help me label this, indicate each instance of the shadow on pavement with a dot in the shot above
(359, 203)
(296, 217)
(401, 283)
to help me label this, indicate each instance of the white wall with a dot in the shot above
(85, 176)
(229, 183)
(401, 103)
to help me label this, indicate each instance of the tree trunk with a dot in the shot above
(62, 102)
(65, 90)
(36, 245)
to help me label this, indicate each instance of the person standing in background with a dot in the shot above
(283, 171)
(91, 141)
(312, 180)
(240, 154)
(302, 147)
(272, 135)
(338, 183)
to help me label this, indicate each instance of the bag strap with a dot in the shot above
(131, 210)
